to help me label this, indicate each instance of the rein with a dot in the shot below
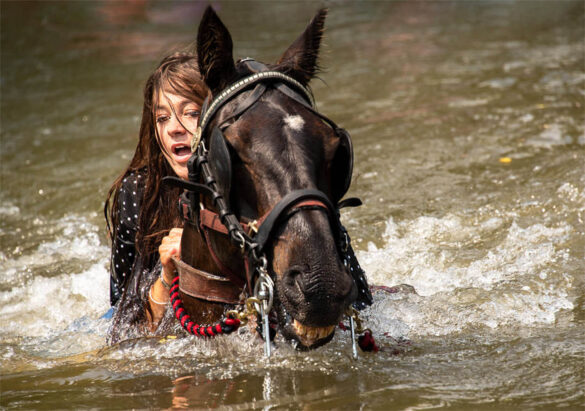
(251, 237)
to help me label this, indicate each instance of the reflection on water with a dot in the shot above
(468, 126)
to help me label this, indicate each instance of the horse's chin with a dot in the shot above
(306, 337)
(312, 337)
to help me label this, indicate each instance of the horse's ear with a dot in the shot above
(214, 52)
(300, 60)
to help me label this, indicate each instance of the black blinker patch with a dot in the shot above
(342, 165)
(220, 163)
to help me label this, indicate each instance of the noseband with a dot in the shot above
(208, 178)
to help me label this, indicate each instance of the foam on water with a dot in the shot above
(468, 271)
(36, 305)
(52, 303)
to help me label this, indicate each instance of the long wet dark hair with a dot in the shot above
(177, 74)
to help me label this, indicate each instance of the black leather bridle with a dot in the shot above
(203, 180)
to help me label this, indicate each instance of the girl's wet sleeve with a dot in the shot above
(123, 247)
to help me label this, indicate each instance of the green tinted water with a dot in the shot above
(468, 127)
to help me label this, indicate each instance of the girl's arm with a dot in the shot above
(123, 244)
(158, 296)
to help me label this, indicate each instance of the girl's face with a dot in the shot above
(176, 120)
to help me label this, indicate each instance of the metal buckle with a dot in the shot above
(241, 239)
(253, 227)
(247, 312)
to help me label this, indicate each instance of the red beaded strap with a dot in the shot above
(226, 326)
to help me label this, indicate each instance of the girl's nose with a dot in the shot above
(175, 127)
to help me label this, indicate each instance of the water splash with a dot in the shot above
(468, 271)
(70, 281)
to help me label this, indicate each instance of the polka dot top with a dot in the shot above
(123, 247)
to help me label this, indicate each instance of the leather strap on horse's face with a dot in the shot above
(295, 201)
(284, 209)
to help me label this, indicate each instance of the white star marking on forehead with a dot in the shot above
(295, 123)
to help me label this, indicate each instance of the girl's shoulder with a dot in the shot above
(134, 180)
(133, 184)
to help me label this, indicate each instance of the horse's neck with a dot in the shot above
(195, 252)
(190, 243)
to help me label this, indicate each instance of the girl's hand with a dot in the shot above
(170, 246)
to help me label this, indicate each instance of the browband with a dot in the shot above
(210, 110)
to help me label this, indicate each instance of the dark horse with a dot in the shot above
(263, 147)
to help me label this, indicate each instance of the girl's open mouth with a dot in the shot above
(181, 151)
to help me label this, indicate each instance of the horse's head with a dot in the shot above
(278, 145)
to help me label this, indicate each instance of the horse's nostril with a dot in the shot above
(294, 276)
(300, 283)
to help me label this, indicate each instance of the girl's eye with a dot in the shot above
(162, 119)
(193, 114)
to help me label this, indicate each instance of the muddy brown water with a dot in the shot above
(468, 126)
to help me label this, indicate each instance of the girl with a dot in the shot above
(142, 215)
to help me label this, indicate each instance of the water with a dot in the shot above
(468, 126)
